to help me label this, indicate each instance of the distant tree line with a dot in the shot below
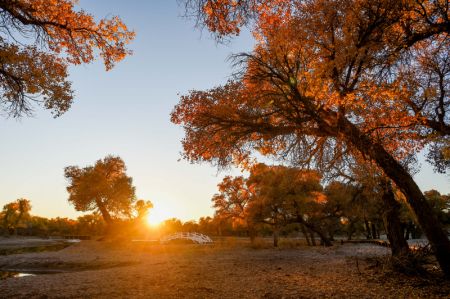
(289, 201)
(16, 220)
(266, 203)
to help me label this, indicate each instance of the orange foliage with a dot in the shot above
(74, 32)
(52, 35)
(330, 82)
(315, 64)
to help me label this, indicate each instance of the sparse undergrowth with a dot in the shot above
(417, 270)
(418, 262)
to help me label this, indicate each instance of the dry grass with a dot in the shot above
(230, 268)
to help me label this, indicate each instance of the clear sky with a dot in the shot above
(125, 112)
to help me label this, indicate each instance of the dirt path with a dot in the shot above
(189, 271)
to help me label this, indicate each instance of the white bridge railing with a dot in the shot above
(195, 237)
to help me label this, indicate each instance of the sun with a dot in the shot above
(156, 216)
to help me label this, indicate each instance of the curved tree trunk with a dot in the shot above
(305, 234)
(105, 214)
(313, 229)
(396, 172)
(299, 219)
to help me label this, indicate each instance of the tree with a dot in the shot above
(285, 195)
(343, 206)
(39, 39)
(90, 224)
(171, 226)
(232, 203)
(61, 226)
(440, 204)
(15, 213)
(328, 79)
(375, 195)
(275, 196)
(104, 187)
(142, 208)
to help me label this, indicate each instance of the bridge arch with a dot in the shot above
(194, 237)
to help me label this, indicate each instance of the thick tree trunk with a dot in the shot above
(391, 220)
(396, 172)
(105, 214)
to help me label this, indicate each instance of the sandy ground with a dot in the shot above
(108, 270)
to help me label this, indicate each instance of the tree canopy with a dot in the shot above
(39, 39)
(329, 81)
(14, 213)
(104, 187)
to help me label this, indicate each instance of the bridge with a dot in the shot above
(194, 237)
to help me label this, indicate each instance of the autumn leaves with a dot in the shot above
(40, 39)
(329, 83)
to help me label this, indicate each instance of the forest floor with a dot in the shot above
(230, 269)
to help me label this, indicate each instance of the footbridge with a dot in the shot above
(194, 237)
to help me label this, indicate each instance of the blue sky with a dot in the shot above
(125, 112)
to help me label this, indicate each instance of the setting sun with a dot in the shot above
(157, 215)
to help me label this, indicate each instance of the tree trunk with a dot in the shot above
(313, 240)
(391, 219)
(351, 230)
(313, 229)
(305, 234)
(374, 230)
(407, 232)
(330, 235)
(396, 172)
(275, 236)
(414, 231)
(367, 228)
(251, 233)
(105, 214)
(349, 235)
